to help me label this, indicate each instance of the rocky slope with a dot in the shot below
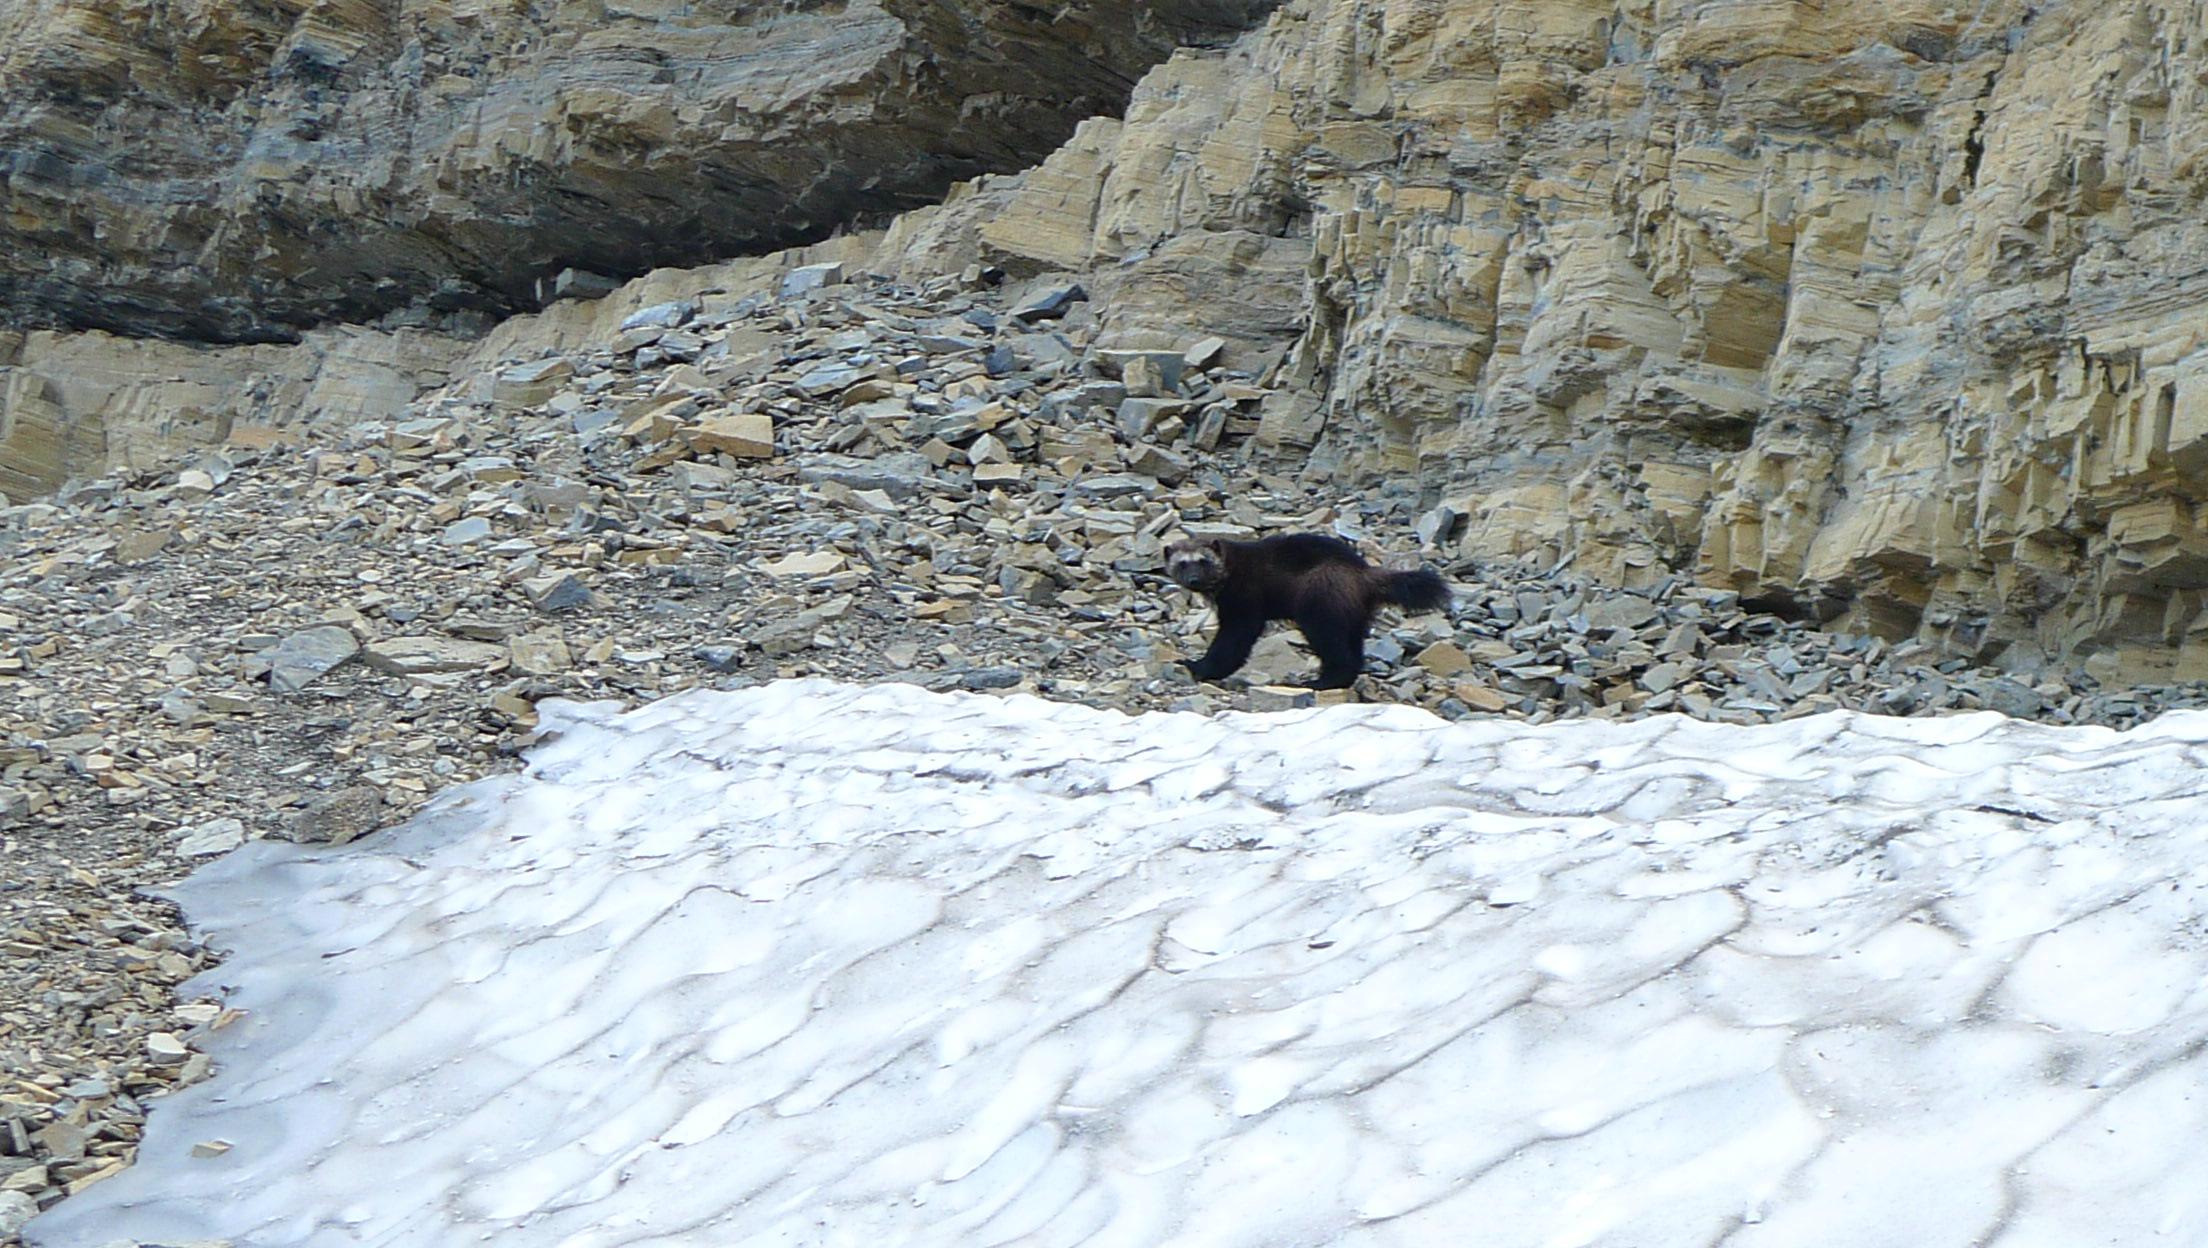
(945, 485)
(239, 172)
(1884, 312)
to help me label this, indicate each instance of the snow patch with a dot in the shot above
(829, 965)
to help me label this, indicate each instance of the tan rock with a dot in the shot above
(413, 656)
(139, 546)
(1444, 659)
(817, 563)
(541, 653)
(747, 435)
(1481, 697)
(1280, 698)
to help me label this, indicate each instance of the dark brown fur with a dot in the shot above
(1319, 582)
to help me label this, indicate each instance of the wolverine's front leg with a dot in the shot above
(1230, 647)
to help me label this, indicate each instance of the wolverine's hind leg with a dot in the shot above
(1336, 633)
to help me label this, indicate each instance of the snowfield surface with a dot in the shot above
(814, 964)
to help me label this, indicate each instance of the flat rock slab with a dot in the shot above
(216, 836)
(811, 277)
(414, 656)
(295, 661)
(539, 654)
(748, 435)
(828, 379)
(817, 563)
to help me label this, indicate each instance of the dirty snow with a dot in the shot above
(813, 964)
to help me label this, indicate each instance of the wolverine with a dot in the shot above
(1319, 582)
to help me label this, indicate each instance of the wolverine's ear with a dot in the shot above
(1218, 545)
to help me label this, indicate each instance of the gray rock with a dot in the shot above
(1622, 611)
(1157, 461)
(91, 1089)
(776, 638)
(339, 816)
(1114, 485)
(903, 475)
(299, 658)
(475, 629)
(948, 344)
(1096, 394)
(551, 369)
(829, 379)
(2011, 697)
(465, 532)
(1204, 352)
(1663, 676)
(181, 707)
(952, 427)
(679, 345)
(576, 284)
(719, 658)
(1436, 527)
(1809, 684)
(630, 340)
(811, 277)
(14, 805)
(592, 419)
(1157, 372)
(1049, 304)
(991, 678)
(1144, 379)
(63, 1141)
(1138, 416)
(1681, 642)
(1210, 428)
(216, 836)
(1280, 698)
(560, 591)
(1042, 349)
(15, 1210)
(660, 316)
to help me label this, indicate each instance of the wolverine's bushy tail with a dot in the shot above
(1423, 590)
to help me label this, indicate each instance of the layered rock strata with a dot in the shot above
(1893, 311)
(235, 172)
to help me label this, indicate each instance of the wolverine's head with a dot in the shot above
(1198, 565)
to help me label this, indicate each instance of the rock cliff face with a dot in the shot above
(225, 171)
(1893, 312)
(74, 405)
